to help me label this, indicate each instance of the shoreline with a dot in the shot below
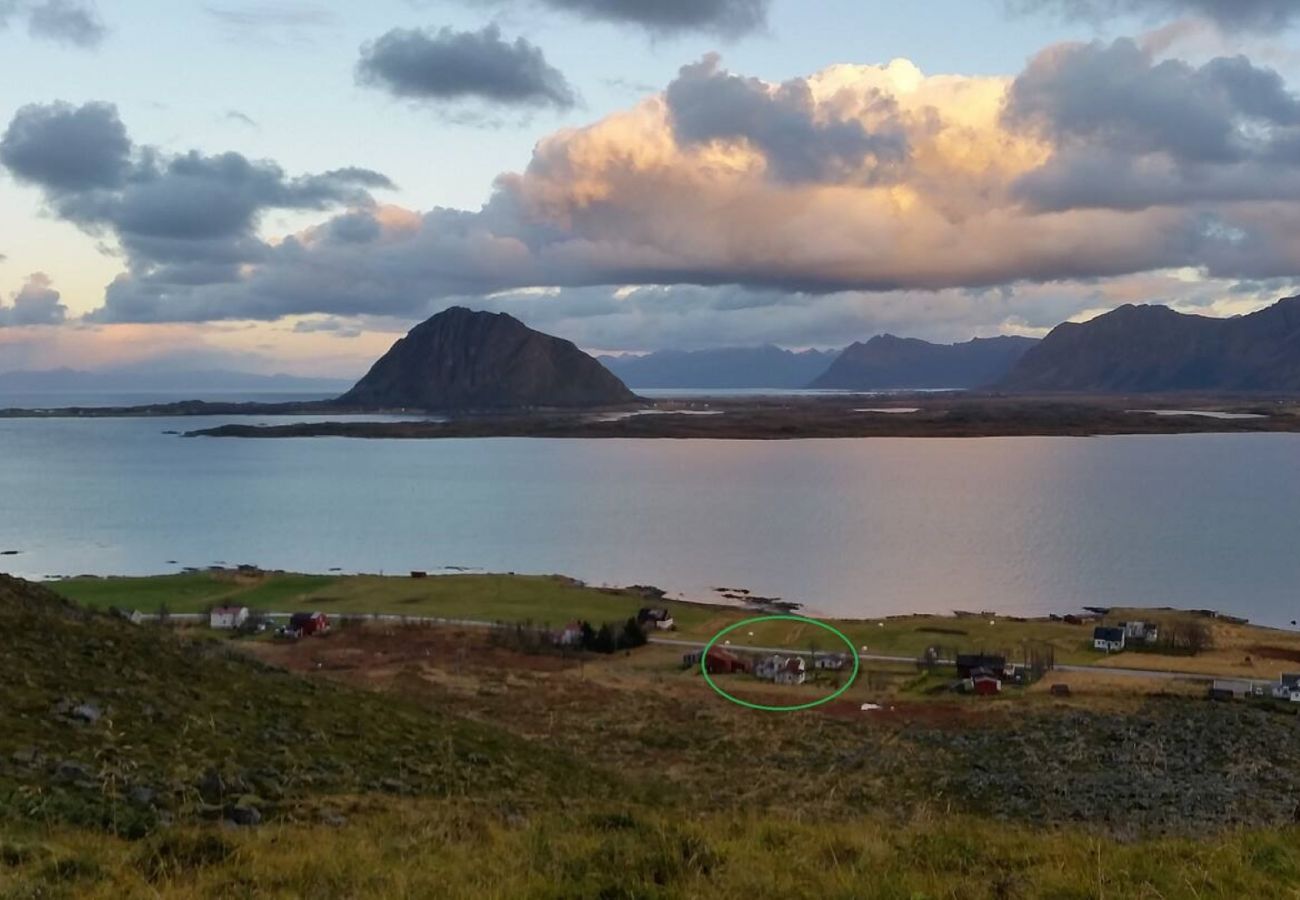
(845, 416)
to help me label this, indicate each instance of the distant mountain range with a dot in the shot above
(1145, 349)
(887, 362)
(465, 360)
(723, 368)
(126, 381)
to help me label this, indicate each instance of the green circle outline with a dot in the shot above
(853, 651)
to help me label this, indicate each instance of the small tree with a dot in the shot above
(604, 641)
(633, 635)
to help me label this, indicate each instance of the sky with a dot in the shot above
(289, 185)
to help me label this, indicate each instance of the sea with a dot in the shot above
(863, 528)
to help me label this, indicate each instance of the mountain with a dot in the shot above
(725, 367)
(1144, 349)
(131, 380)
(887, 362)
(466, 360)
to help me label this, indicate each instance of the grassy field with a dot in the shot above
(1239, 651)
(491, 598)
(400, 761)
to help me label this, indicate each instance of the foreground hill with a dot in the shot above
(1144, 349)
(724, 367)
(466, 360)
(887, 362)
(127, 728)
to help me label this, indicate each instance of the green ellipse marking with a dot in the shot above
(704, 655)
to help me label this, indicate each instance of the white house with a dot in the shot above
(1148, 632)
(228, 618)
(782, 669)
(1286, 692)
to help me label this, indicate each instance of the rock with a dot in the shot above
(87, 712)
(68, 772)
(26, 756)
(243, 815)
(466, 360)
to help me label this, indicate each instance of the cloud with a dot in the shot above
(726, 18)
(799, 141)
(234, 115)
(1131, 131)
(270, 14)
(749, 199)
(182, 221)
(67, 21)
(36, 303)
(447, 65)
(67, 149)
(1231, 15)
(73, 22)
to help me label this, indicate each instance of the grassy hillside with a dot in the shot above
(488, 597)
(442, 762)
(124, 728)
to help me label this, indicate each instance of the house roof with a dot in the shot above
(229, 610)
(1102, 633)
(975, 660)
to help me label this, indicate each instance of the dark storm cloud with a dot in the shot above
(728, 18)
(708, 103)
(37, 303)
(1131, 131)
(1231, 15)
(1116, 95)
(181, 220)
(67, 149)
(452, 65)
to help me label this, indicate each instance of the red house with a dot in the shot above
(306, 624)
(724, 662)
(985, 683)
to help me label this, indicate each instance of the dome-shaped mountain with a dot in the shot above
(466, 360)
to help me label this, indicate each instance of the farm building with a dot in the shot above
(967, 663)
(1227, 689)
(228, 618)
(782, 669)
(571, 635)
(1109, 640)
(833, 662)
(661, 619)
(306, 624)
(1145, 632)
(985, 683)
(718, 662)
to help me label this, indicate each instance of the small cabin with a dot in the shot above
(306, 624)
(1108, 640)
(658, 618)
(228, 618)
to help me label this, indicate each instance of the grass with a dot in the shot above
(555, 600)
(504, 598)
(414, 849)
(203, 729)
(416, 762)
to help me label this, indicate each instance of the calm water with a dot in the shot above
(1020, 525)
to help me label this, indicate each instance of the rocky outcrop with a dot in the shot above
(462, 360)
